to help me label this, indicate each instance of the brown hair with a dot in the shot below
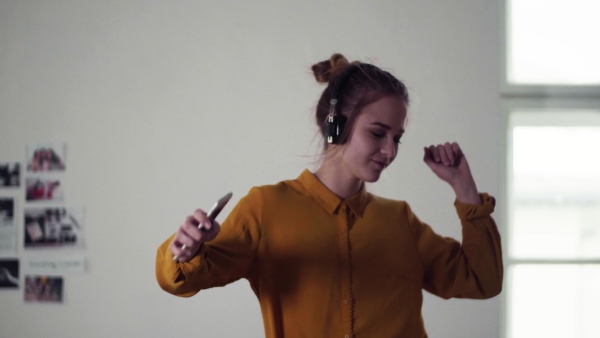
(364, 86)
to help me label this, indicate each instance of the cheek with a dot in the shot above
(395, 152)
(361, 148)
(353, 154)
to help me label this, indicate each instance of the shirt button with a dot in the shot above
(345, 301)
(346, 336)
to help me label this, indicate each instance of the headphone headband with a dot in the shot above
(340, 80)
(335, 122)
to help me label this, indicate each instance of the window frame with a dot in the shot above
(511, 90)
(510, 107)
(523, 97)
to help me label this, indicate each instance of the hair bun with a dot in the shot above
(327, 70)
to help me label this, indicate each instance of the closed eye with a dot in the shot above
(377, 135)
(380, 135)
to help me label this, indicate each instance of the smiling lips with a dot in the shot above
(379, 164)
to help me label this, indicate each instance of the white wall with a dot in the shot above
(167, 105)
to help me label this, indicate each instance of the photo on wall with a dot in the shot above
(7, 212)
(43, 289)
(43, 189)
(8, 227)
(53, 227)
(9, 273)
(10, 174)
(46, 157)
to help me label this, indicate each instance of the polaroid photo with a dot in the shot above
(7, 212)
(43, 189)
(9, 274)
(46, 157)
(44, 289)
(8, 227)
(53, 227)
(10, 174)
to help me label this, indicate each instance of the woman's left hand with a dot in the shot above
(449, 163)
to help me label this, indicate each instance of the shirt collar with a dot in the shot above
(330, 201)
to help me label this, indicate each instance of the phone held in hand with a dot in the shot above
(212, 214)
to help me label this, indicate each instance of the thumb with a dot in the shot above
(428, 157)
(213, 231)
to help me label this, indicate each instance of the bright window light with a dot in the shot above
(554, 301)
(554, 224)
(556, 192)
(553, 42)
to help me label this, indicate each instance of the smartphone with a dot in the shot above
(219, 205)
(212, 214)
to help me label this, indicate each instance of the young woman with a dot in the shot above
(325, 257)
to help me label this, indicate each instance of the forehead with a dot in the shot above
(389, 110)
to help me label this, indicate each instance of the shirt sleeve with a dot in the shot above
(472, 269)
(227, 258)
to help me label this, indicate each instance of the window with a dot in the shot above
(551, 97)
(554, 224)
(553, 42)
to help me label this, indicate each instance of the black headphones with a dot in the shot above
(335, 122)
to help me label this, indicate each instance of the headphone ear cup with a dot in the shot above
(334, 128)
(335, 122)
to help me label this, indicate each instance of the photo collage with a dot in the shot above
(36, 222)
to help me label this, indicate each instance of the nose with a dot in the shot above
(388, 149)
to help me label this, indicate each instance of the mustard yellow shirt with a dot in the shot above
(321, 266)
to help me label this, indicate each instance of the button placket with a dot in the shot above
(345, 270)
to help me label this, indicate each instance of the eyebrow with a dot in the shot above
(385, 126)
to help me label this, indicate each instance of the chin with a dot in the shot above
(371, 177)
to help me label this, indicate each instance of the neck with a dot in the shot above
(337, 180)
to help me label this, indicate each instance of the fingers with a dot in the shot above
(447, 154)
(195, 230)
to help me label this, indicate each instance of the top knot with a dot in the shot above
(327, 70)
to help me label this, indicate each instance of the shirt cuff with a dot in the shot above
(190, 267)
(472, 211)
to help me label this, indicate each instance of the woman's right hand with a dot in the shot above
(195, 230)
